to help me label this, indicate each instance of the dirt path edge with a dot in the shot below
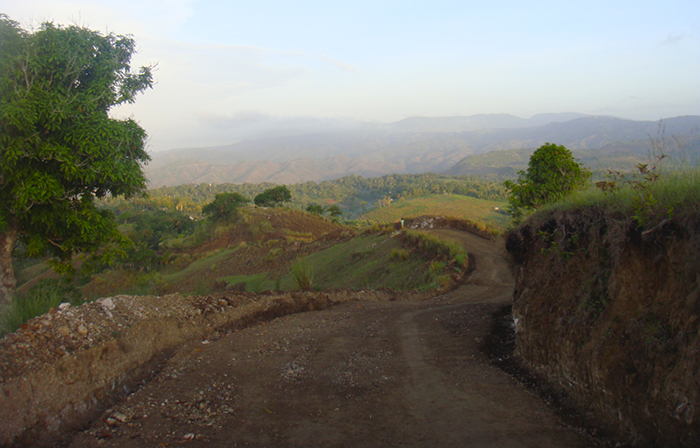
(82, 360)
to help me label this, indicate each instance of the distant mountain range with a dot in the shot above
(454, 145)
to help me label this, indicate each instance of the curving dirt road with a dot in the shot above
(409, 374)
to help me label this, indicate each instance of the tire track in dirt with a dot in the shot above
(405, 373)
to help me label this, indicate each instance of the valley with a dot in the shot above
(230, 224)
(386, 308)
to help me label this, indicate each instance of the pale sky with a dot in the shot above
(226, 64)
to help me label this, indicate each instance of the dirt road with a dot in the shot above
(407, 374)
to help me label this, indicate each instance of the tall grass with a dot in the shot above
(676, 193)
(303, 274)
(47, 294)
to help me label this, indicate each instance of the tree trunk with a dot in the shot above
(8, 282)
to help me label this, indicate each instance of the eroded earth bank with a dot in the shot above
(608, 312)
(374, 369)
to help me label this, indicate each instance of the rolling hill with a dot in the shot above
(414, 145)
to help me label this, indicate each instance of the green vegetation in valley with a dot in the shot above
(353, 195)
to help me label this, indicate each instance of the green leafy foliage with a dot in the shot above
(59, 148)
(334, 211)
(552, 174)
(315, 209)
(148, 229)
(273, 197)
(225, 207)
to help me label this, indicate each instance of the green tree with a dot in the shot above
(551, 175)
(315, 209)
(334, 211)
(225, 206)
(273, 196)
(59, 148)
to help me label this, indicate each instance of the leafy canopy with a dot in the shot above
(59, 148)
(273, 196)
(551, 175)
(334, 211)
(225, 206)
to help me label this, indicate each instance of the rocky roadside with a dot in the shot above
(66, 367)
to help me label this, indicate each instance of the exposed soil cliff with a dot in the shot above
(609, 314)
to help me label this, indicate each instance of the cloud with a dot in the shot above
(221, 70)
(674, 38)
(339, 64)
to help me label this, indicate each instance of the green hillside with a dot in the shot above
(453, 205)
(258, 252)
(363, 262)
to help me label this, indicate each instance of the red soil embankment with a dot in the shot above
(610, 314)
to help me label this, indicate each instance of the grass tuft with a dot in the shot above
(47, 294)
(400, 254)
(303, 274)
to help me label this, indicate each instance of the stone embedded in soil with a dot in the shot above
(120, 417)
(107, 303)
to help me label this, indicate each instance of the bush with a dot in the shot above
(273, 197)
(552, 174)
(315, 209)
(225, 207)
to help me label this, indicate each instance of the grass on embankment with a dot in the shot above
(648, 203)
(364, 262)
(454, 205)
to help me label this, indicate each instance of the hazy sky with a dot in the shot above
(223, 64)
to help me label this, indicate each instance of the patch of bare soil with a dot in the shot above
(361, 373)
